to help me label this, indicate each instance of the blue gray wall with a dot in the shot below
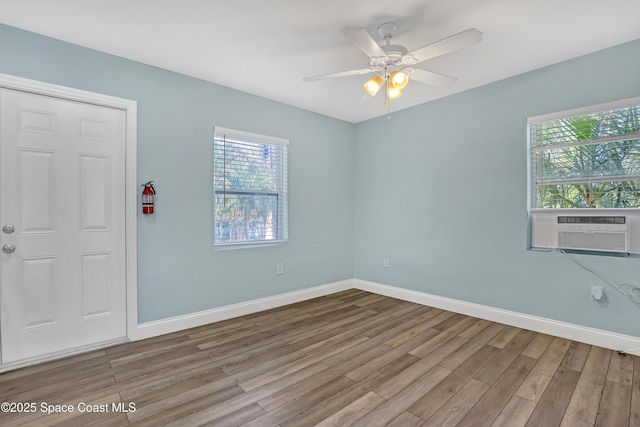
(178, 270)
(441, 189)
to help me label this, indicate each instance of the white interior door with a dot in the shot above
(62, 184)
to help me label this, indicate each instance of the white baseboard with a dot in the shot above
(597, 337)
(192, 320)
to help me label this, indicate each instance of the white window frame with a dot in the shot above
(536, 120)
(281, 191)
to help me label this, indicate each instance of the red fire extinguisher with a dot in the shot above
(147, 198)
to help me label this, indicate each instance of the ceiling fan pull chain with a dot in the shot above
(386, 93)
(386, 87)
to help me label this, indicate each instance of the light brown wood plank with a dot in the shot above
(136, 386)
(428, 404)
(553, 404)
(499, 394)
(383, 375)
(620, 369)
(586, 397)
(615, 405)
(296, 384)
(238, 418)
(278, 372)
(412, 311)
(457, 407)
(353, 412)
(504, 337)
(328, 407)
(399, 403)
(491, 372)
(473, 330)
(535, 384)
(537, 346)
(569, 421)
(280, 415)
(634, 417)
(189, 407)
(170, 401)
(385, 358)
(357, 390)
(406, 419)
(515, 413)
(474, 344)
(331, 326)
(182, 384)
(576, 356)
(394, 385)
(447, 333)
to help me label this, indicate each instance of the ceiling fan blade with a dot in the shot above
(449, 44)
(431, 78)
(338, 74)
(361, 38)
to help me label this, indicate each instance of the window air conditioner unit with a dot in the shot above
(601, 230)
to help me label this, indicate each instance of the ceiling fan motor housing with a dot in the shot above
(394, 56)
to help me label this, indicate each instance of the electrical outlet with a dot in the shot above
(385, 262)
(279, 268)
(597, 293)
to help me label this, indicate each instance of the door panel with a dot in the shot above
(95, 284)
(39, 287)
(37, 183)
(95, 193)
(62, 187)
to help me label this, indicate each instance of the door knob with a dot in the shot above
(8, 229)
(9, 249)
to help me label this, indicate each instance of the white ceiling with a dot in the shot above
(266, 47)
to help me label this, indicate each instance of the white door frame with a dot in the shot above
(131, 188)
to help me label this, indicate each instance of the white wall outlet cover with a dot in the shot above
(597, 293)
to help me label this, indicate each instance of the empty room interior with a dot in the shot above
(297, 213)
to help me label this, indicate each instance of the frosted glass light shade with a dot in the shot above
(399, 79)
(373, 85)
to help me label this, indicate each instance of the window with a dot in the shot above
(587, 158)
(250, 188)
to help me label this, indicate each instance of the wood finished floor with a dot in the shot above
(351, 358)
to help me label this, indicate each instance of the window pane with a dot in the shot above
(245, 218)
(617, 158)
(621, 194)
(245, 166)
(605, 124)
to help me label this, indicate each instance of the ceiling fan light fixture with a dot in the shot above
(393, 64)
(394, 92)
(373, 85)
(399, 79)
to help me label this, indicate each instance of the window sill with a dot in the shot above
(247, 245)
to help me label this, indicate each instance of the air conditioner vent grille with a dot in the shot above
(604, 241)
(563, 219)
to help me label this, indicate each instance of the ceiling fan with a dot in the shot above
(394, 64)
